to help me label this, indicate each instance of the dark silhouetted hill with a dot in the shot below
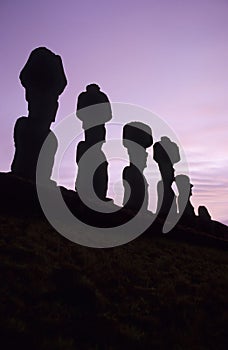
(156, 292)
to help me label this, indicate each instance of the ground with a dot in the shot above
(152, 293)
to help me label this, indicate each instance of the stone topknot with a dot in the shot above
(139, 133)
(43, 72)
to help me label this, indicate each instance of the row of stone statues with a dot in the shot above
(44, 80)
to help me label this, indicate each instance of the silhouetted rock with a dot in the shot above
(18, 196)
(203, 213)
(93, 109)
(185, 207)
(166, 202)
(28, 141)
(93, 116)
(136, 138)
(44, 80)
(166, 154)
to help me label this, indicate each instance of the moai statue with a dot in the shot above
(44, 80)
(166, 154)
(137, 137)
(185, 207)
(94, 110)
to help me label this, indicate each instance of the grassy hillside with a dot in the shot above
(153, 293)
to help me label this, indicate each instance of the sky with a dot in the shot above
(168, 56)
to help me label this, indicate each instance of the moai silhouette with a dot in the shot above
(166, 154)
(185, 207)
(44, 80)
(94, 110)
(137, 137)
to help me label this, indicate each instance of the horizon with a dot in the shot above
(170, 59)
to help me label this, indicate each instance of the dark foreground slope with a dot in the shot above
(153, 293)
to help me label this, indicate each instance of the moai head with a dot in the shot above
(137, 137)
(166, 154)
(44, 80)
(93, 107)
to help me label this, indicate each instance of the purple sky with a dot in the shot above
(167, 56)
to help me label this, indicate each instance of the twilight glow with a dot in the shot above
(167, 56)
